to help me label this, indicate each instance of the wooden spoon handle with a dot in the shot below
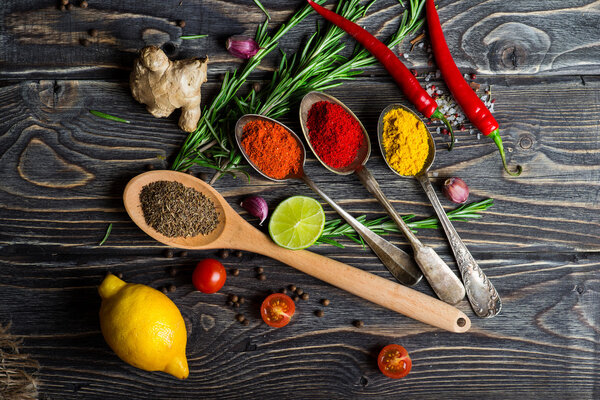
(371, 287)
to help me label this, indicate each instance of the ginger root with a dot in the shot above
(164, 85)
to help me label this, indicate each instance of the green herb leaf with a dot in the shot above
(262, 8)
(108, 116)
(188, 37)
(108, 230)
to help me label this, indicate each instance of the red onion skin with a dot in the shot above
(257, 207)
(242, 47)
(456, 190)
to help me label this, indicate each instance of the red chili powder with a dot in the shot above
(271, 148)
(334, 134)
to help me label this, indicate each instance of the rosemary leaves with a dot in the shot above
(176, 210)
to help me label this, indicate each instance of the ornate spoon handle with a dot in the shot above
(480, 291)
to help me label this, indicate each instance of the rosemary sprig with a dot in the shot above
(334, 229)
(108, 116)
(189, 37)
(318, 65)
(108, 231)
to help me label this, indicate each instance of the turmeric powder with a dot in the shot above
(405, 141)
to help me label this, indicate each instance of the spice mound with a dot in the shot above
(405, 141)
(273, 150)
(334, 134)
(176, 210)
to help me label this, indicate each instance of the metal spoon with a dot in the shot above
(396, 261)
(442, 279)
(481, 293)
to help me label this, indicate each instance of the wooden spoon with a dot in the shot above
(233, 232)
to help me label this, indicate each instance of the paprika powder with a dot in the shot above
(273, 150)
(334, 134)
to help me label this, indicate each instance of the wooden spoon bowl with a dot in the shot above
(233, 232)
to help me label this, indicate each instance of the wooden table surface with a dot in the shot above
(62, 173)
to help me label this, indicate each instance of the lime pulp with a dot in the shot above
(297, 222)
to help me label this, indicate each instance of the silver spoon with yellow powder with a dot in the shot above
(409, 150)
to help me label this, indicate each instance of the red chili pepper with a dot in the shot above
(471, 104)
(403, 77)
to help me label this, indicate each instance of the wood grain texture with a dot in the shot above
(63, 170)
(493, 36)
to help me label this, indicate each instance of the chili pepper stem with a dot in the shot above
(495, 135)
(438, 114)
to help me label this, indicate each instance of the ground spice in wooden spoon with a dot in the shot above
(176, 210)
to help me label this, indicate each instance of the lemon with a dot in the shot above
(297, 222)
(143, 327)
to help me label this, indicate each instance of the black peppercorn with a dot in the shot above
(120, 275)
(183, 254)
(240, 317)
(292, 287)
(358, 323)
(241, 300)
(284, 291)
(236, 304)
(69, 6)
(325, 302)
(181, 23)
(262, 277)
(223, 253)
(230, 303)
(260, 270)
(299, 291)
(168, 253)
(171, 288)
(164, 290)
(295, 298)
(84, 42)
(93, 33)
(235, 272)
(233, 298)
(245, 322)
(237, 253)
(83, 4)
(304, 296)
(319, 313)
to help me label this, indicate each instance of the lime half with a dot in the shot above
(297, 222)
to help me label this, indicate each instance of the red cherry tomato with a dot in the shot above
(209, 276)
(394, 361)
(277, 310)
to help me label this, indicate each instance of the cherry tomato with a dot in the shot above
(277, 310)
(209, 276)
(394, 361)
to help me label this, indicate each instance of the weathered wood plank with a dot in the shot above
(63, 169)
(492, 37)
(544, 342)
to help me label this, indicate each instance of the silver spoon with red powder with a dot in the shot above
(442, 279)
